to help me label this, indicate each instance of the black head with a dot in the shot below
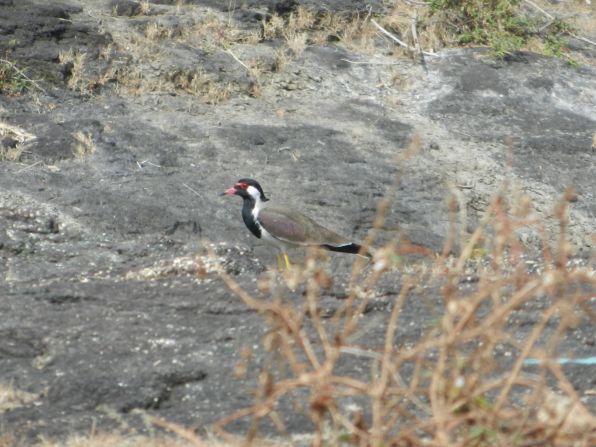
(247, 188)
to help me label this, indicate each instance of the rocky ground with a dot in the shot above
(143, 113)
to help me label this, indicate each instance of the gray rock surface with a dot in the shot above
(102, 312)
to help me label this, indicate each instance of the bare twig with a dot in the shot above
(514, 373)
(179, 430)
(552, 18)
(368, 14)
(415, 37)
(26, 168)
(369, 62)
(140, 164)
(546, 25)
(584, 39)
(538, 8)
(188, 187)
(414, 2)
(231, 53)
(395, 39)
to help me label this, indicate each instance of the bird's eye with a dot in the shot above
(242, 185)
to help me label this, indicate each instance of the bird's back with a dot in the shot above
(296, 228)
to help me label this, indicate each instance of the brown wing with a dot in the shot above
(296, 228)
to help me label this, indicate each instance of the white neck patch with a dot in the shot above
(254, 192)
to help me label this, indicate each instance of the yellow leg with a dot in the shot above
(283, 262)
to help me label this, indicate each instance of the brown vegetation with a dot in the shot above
(449, 386)
(83, 145)
(419, 27)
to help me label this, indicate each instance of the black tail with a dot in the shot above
(348, 248)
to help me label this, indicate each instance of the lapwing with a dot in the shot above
(284, 227)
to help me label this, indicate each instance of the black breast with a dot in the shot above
(249, 219)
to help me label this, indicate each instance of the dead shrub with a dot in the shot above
(462, 380)
(83, 145)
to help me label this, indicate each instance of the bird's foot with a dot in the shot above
(283, 262)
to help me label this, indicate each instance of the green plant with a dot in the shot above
(554, 46)
(12, 80)
(487, 22)
(555, 40)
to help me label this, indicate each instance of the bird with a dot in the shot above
(284, 227)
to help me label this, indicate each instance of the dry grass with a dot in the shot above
(117, 440)
(303, 27)
(432, 30)
(579, 13)
(106, 52)
(130, 61)
(273, 27)
(358, 34)
(458, 393)
(297, 43)
(133, 55)
(11, 398)
(154, 32)
(200, 84)
(280, 61)
(11, 153)
(418, 24)
(415, 23)
(145, 7)
(301, 19)
(182, 438)
(83, 145)
(76, 60)
(19, 137)
(213, 32)
(436, 29)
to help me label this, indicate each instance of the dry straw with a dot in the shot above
(452, 386)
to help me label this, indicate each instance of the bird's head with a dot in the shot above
(247, 189)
